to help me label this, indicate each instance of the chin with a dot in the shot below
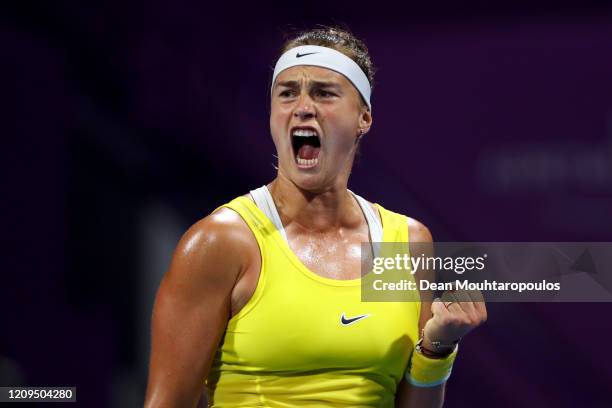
(308, 182)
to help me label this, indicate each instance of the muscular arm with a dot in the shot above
(409, 396)
(440, 322)
(193, 306)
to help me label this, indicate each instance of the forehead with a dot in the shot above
(312, 73)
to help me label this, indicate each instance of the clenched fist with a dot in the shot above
(455, 314)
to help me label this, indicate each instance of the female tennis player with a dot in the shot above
(261, 305)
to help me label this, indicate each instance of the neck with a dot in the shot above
(321, 211)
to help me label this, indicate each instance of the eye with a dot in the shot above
(325, 94)
(287, 93)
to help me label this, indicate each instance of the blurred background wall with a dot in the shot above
(125, 122)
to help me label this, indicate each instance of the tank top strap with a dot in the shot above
(395, 226)
(262, 217)
(374, 224)
(259, 223)
(264, 201)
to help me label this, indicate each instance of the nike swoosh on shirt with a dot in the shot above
(345, 321)
(298, 55)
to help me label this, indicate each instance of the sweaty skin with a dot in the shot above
(216, 264)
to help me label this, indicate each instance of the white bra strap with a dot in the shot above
(263, 200)
(376, 230)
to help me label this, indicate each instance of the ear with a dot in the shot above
(365, 121)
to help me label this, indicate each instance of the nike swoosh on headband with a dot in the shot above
(329, 58)
(345, 321)
(298, 55)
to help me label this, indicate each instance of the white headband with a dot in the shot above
(327, 58)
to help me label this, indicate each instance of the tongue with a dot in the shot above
(308, 152)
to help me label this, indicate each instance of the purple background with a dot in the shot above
(125, 123)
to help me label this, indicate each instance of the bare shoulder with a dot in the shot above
(418, 232)
(217, 248)
(224, 227)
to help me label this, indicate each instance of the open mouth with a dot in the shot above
(306, 147)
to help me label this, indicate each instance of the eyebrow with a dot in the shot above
(319, 84)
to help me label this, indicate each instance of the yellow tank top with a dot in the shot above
(301, 340)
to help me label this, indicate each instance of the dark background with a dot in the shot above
(125, 122)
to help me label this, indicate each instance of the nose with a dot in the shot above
(305, 108)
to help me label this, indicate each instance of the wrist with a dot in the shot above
(435, 349)
(429, 371)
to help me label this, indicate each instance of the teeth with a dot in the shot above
(304, 162)
(304, 132)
